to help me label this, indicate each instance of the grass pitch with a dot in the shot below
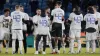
(30, 52)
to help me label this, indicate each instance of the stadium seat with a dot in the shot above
(30, 41)
(69, 7)
(7, 5)
(67, 15)
(42, 4)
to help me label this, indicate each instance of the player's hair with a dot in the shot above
(38, 9)
(17, 6)
(59, 3)
(21, 6)
(90, 10)
(6, 10)
(47, 8)
(77, 10)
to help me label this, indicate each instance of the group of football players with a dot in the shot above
(49, 27)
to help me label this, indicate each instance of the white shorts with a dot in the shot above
(75, 33)
(6, 36)
(35, 31)
(1, 34)
(17, 34)
(97, 33)
(91, 36)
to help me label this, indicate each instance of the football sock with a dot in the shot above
(93, 46)
(72, 46)
(87, 45)
(7, 45)
(79, 45)
(20, 45)
(13, 45)
(0, 46)
(59, 44)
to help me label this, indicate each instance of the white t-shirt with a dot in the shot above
(76, 21)
(57, 14)
(90, 20)
(5, 23)
(43, 26)
(35, 20)
(17, 17)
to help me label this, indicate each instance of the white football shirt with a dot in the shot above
(76, 21)
(57, 14)
(43, 26)
(35, 20)
(90, 20)
(5, 21)
(17, 17)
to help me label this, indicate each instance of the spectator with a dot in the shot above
(65, 4)
(34, 5)
(2, 2)
(51, 3)
(75, 2)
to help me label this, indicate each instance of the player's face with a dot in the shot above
(48, 10)
(73, 9)
(38, 12)
(7, 13)
(57, 6)
(22, 9)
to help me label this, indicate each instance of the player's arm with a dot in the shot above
(52, 16)
(10, 21)
(83, 23)
(70, 18)
(51, 19)
(98, 18)
(96, 22)
(34, 20)
(25, 18)
(63, 19)
(11, 18)
(35, 24)
(25, 21)
(83, 20)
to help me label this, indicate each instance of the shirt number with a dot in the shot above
(91, 20)
(59, 16)
(77, 19)
(17, 18)
(43, 23)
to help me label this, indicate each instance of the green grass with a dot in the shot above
(32, 50)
